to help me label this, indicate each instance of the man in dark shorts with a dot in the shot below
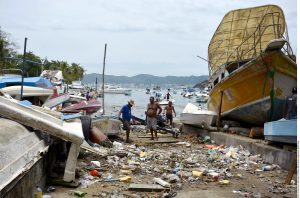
(168, 111)
(126, 117)
(152, 114)
(168, 95)
(291, 105)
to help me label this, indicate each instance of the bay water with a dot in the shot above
(114, 102)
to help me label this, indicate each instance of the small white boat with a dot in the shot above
(116, 90)
(28, 92)
(108, 125)
(193, 115)
(166, 102)
(50, 103)
(76, 99)
(202, 97)
(188, 95)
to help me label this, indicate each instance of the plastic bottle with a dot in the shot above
(267, 168)
(38, 192)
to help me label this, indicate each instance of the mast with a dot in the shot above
(103, 79)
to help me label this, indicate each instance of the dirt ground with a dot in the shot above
(174, 163)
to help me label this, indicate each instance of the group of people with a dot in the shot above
(154, 110)
(152, 113)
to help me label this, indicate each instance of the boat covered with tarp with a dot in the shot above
(252, 68)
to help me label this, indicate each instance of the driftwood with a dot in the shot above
(256, 132)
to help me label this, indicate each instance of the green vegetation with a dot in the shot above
(10, 59)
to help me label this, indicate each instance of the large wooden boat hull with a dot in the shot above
(256, 92)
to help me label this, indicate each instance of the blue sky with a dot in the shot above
(159, 37)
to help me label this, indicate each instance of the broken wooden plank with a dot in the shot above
(160, 136)
(161, 141)
(147, 187)
(89, 148)
(291, 171)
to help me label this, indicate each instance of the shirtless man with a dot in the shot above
(168, 111)
(152, 114)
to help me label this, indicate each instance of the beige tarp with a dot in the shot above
(238, 35)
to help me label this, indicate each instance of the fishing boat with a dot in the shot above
(193, 115)
(90, 106)
(252, 68)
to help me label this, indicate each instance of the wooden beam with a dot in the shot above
(146, 187)
(291, 171)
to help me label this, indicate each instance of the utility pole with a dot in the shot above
(23, 66)
(96, 88)
(103, 79)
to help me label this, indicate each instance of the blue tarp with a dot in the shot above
(32, 82)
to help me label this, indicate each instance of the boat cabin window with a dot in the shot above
(216, 81)
(233, 66)
(222, 75)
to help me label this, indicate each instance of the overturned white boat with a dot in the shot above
(193, 115)
(29, 93)
(28, 116)
(21, 151)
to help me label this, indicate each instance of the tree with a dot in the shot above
(7, 51)
(32, 66)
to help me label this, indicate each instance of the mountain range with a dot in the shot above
(144, 80)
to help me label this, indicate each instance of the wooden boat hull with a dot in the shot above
(256, 92)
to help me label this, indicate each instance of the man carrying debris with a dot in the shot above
(152, 115)
(126, 117)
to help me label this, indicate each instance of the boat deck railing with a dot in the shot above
(240, 54)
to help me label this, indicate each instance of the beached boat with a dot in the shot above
(33, 94)
(284, 131)
(90, 106)
(193, 115)
(20, 151)
(26, 115)
(76, 99)
(251, 65)
(76, 88)
(6, 81)
(109, 125)
(52, 102)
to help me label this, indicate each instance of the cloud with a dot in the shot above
(141, 34)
